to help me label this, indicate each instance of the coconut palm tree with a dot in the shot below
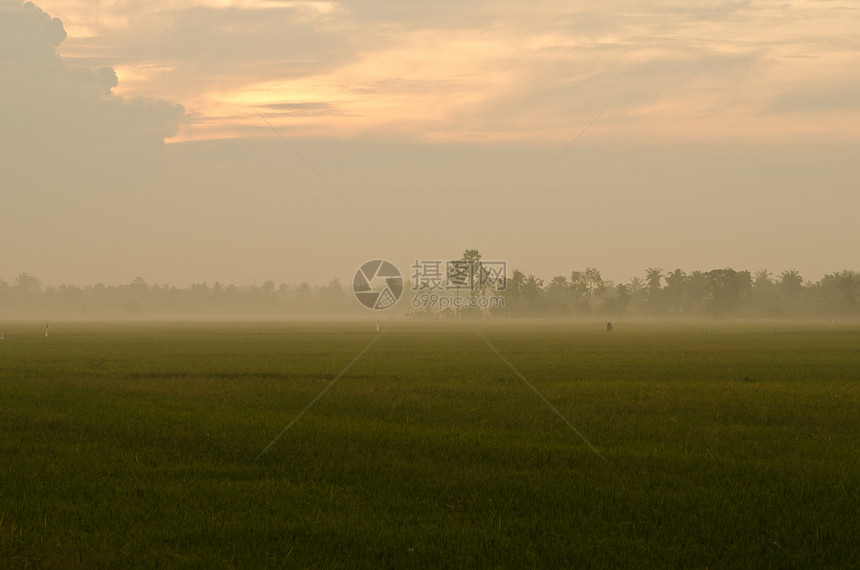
(652, 277)
(636, 286)
(533, 290)
(791, 283)
(762, 279)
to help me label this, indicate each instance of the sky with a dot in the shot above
(190, 141)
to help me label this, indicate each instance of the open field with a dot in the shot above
(725, 445)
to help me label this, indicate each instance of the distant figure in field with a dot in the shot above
(47, 326)
(608, 326)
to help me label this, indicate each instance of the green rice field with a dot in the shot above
(706, 445)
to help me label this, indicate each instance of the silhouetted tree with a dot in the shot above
(766, 295)
(27, 284)
(304, 290)
(653, 275)
(617, 304)
(791, 283)
(558, 292)
(585, 287)
(473, 256)
(636, 288)
(533, 295)
(675, 290)
(334, 295)
(695, 292)
(514, 292)
(762, 279)
(848, 282)
(580, 291)
(726, 288)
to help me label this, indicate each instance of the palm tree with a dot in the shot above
(514, 290)
(652, 277)
(762, 279)
(791, 283)
(636, 286)
(533, 290)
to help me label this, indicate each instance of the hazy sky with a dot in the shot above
(730, 136)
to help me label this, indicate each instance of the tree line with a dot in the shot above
(583, 293)
(721, 293)
(26, 297)
(718, 293)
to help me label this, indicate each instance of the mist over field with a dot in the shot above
(719, 293)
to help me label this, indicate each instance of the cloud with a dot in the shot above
(472, 71)
(27, 34)
(48, 103)
(309, 109)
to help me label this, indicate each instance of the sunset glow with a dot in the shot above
(712, 72)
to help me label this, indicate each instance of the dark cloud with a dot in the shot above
(47, 103)
(27, 34)
(310, 109)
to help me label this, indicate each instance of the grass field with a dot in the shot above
(725, 446)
